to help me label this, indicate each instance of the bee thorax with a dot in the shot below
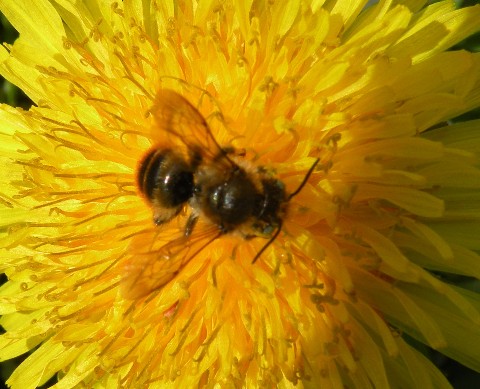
(231, 202)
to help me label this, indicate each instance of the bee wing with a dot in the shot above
(149, 270)
(181, 120)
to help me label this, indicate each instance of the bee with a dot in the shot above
(190, 173)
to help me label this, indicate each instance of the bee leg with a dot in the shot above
(270, 241)
(191, 222)
(230, 150)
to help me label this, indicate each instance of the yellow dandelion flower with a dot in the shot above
(393, 202)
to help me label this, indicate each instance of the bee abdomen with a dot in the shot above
(165, 178)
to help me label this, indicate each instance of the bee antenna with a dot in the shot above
(305, 179)
(270, 241)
